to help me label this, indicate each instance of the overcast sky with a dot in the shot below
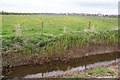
(60, 6)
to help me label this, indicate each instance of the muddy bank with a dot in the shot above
(76, 52)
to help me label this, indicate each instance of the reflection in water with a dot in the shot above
(59, 67)
(53, 73)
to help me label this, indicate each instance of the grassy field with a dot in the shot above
(31, 24)
(32, 37)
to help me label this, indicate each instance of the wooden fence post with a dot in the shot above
(42, 28)
(89, 25)
(93, 29)
(65, 29)
(17, 30)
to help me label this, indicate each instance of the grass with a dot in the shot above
(55, 45)
(102, 71)
(99, 71)
(47, 41)
(32, 24)
(76, 76)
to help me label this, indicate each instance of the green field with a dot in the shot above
(33, 38)
(31, 24)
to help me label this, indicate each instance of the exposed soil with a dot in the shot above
(88, 49)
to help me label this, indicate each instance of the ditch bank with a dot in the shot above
(86, 50)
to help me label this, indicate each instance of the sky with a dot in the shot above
(60, 6)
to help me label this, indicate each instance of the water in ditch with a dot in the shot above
(58, 67)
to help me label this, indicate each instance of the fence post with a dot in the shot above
(17, 30)
(93, 29)
(65, 28)
(42, 28)
(89, 25)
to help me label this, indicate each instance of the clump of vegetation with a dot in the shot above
(48, 45)
(100, 71)
(94, 73)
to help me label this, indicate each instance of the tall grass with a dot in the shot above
(49, 45)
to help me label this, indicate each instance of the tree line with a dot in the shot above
(69, 14)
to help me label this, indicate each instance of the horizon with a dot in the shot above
(58, 13)
(106, 7)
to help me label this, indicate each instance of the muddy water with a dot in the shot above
(58, 67)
